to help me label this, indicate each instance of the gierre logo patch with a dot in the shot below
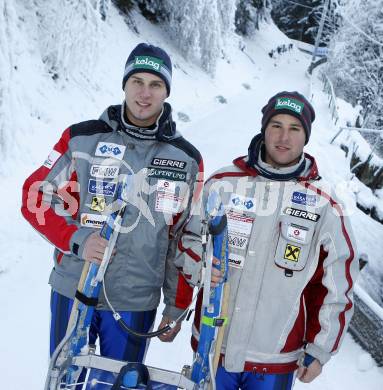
(167, 162)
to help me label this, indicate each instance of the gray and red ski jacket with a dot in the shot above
(292, 265)
(69, 196)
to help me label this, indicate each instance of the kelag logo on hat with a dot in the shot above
(289, 104)
(145, 62)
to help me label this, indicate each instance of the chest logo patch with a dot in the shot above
(101, 187)
(108, 149)
(98, 203)
(242, 203)
(302, 214)
(92, 220)
(168, 174)
(236, 261)
(304, 199)
(104, 171)
(166, 162)
(297, 233)
(292, 252)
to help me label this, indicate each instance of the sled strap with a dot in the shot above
(133, 375)
(86, 300)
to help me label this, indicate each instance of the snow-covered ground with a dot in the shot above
(41, 109)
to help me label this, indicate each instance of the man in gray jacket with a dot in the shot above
(67, 199)
(292, 257)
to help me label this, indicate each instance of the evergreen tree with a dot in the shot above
(184, 26)
(68, 35)
(154, 10)
(226, 11)
(9, 46)
(248, 15)
(201, 28)
(210, 36)
(300, 19)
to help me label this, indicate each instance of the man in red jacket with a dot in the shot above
(292, 260)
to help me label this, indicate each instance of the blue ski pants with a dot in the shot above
(249, 381)
(114, 342)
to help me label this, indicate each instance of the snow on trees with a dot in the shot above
(69, 35)
(201, 28)
(184, 26)
(355, 63)
(300, 20)
(248, 14)
(210, 36)
(8, 20)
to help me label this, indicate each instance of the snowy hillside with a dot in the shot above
(219, 116)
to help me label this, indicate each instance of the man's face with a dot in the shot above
(144, 95)
(284, 140)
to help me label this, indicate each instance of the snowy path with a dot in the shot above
(220, 131)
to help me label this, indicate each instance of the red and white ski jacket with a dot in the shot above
(292, 265)
(70, 195)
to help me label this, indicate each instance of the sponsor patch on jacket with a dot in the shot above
(237, 241)
(166, 162)
(167, 186)
(166, 199)
(167, 203)
(108, 149)
(242, 203)
(292, 252)
(297, 233)
(54, 155)
(92, 220)
(302, 214)
(304, 199)
(168, 174)
(99, 187)
(239, 224)
(98, 203)
(236, 261)
(104, 171)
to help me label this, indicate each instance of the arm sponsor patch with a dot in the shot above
(54, 155)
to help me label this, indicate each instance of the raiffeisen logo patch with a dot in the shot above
(146, 62)
(289, 104)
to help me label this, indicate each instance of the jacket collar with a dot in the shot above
(242, 163)
(165, 129)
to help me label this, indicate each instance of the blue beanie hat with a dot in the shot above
(150, 59)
